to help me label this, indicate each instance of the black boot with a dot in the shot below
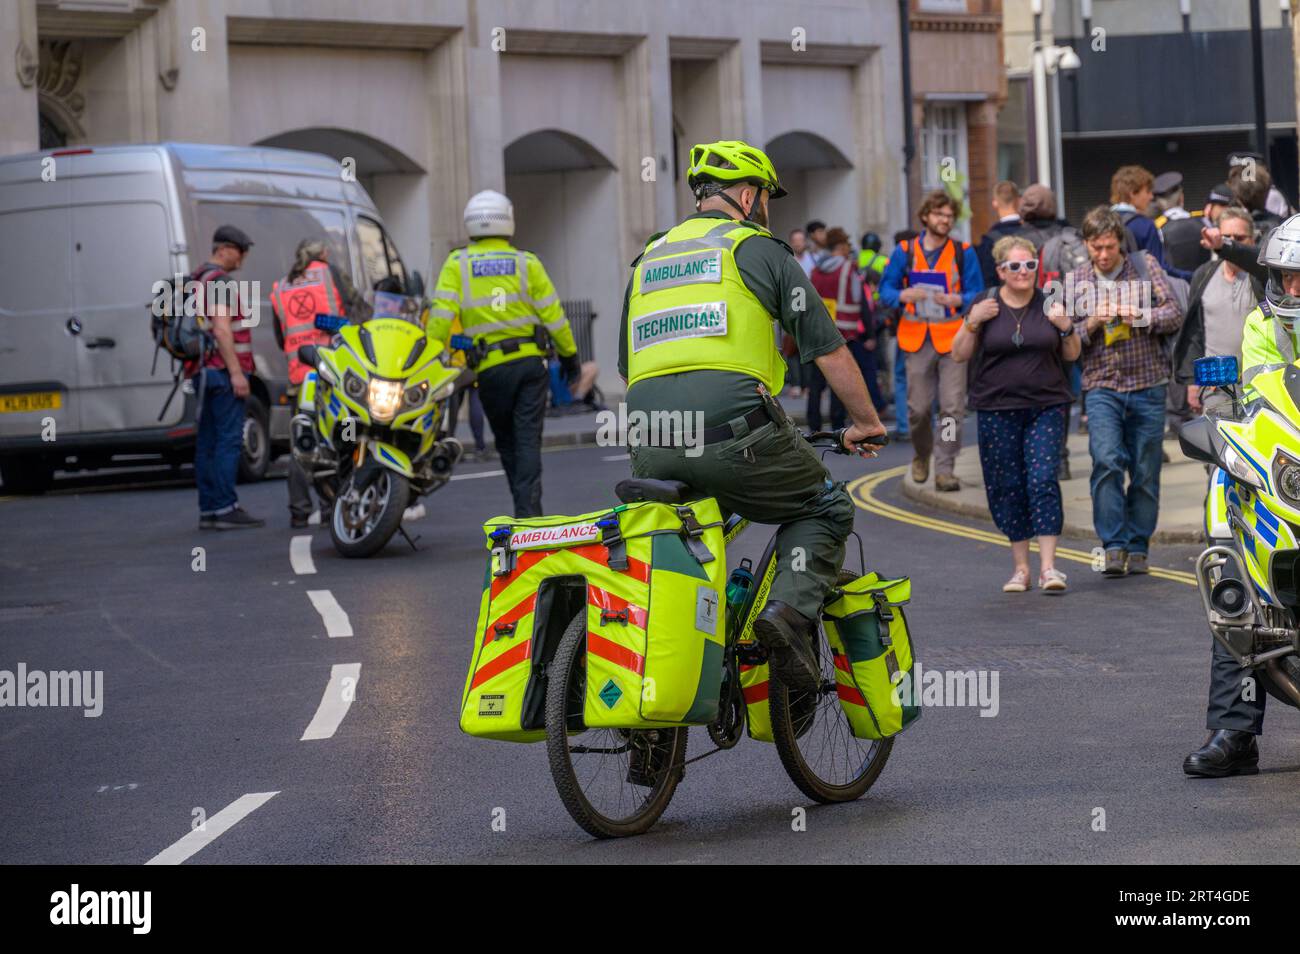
(786, 634)
(1226, 752)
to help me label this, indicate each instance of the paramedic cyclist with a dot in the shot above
(1268, 343)
(697, 338)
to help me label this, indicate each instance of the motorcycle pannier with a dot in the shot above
(872, 651)
(650, 579)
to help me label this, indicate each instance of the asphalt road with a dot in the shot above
(212, 678)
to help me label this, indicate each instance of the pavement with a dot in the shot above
(1182, 493)
(306, 706)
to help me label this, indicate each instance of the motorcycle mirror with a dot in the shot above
(415, 285)
(307, 355)
(1196, 440)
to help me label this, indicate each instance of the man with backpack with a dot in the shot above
(933, 279)
(221, 382)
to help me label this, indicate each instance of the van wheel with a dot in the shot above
(26, 475)
(256, 454)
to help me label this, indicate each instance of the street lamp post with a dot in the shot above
(1048, 60)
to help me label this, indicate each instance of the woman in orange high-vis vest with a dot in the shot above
(933, 279)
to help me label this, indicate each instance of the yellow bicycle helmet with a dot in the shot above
(730, 161)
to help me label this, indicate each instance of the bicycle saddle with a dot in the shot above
(641, 489)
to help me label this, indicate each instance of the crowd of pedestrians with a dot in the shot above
(1038, 316)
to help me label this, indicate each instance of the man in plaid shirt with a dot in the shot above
(1122, 317)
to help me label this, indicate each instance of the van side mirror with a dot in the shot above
(307, 355)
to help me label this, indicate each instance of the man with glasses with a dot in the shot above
(933, 279)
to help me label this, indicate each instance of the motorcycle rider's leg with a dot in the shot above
(1234, 714)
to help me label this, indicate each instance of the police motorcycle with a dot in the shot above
(369, 426)
(1249, 573)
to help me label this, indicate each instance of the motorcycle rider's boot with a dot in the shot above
(1226, 752)
(786, 634)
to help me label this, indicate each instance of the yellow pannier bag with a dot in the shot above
(872, 651)
(650, 578)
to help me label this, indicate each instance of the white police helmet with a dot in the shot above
(1281, 252)
(489, 214)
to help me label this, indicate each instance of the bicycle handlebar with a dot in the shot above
(835, 440)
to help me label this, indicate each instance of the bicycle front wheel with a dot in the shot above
(816, 744)
(613, 782)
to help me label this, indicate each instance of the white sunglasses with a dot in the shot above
(1031, 265)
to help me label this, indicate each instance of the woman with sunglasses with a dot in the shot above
(1018, 345)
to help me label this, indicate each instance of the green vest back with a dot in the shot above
(690, 310)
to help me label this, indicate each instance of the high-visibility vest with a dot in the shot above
(501, 295)
(690, 310)
(911, 329)
(835, 289)
(297, 304)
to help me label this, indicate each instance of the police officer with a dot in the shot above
(1235, 710)
(507, 304)
(1180, 230)
(696, 339)
(313, 286)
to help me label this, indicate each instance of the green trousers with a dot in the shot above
(770, 475)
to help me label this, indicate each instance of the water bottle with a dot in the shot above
(738, 586)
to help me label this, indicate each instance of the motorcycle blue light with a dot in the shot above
(331, 323)
(461, 342)
(1215, 372)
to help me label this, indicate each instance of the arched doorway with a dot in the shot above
(566, 199)
(820, 180)
(396, 183)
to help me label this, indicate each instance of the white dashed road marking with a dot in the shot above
(217, 825)
(300, 554)
(335, 703)
(481, 473)
(336, 620)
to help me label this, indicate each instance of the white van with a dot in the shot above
(84, 235)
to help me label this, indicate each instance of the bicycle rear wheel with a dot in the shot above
(613, 782)
(817, 746)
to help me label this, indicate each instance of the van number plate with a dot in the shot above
(38, 401)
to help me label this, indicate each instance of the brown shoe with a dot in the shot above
(946, 483)
(920, 469)
(1137, 563)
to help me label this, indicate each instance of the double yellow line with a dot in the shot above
(862, 491)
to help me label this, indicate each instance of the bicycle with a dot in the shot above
(623, 779)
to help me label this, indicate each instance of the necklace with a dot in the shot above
(1018, 339)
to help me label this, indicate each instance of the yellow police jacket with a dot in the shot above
(501, 295)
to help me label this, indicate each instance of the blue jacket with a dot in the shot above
(895, 278)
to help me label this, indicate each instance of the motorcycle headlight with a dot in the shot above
(353, 386)
(384, 398)
(1286, 471)
(1240, 468)
(444, 392)
(416, 394)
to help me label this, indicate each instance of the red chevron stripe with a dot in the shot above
(610, 601)
(527, 559)
(850, 694)
(507, 660)
(618, 655)
(521, 609)
(755, 693)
